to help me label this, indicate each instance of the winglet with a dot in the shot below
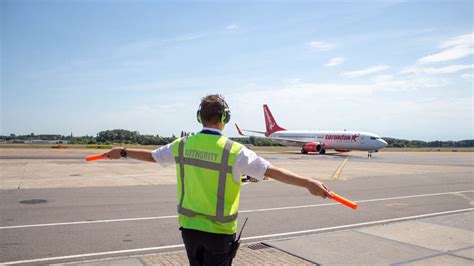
(238, 130)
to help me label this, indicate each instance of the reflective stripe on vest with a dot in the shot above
(223, 169)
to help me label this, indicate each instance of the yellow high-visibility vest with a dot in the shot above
(208, 196)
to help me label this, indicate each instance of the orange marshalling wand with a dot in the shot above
(96, 157)
(344, 201)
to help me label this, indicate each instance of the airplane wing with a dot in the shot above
(283, 141)
(288, 142)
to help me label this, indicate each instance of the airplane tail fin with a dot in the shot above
(270, 122)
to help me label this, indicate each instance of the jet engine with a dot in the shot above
(311, 147)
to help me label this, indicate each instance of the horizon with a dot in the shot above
(394, 68)
(176, 135)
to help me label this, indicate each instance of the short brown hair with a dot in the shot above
(212, 107)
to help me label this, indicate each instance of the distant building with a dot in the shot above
(41, 141)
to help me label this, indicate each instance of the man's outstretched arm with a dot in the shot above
(137, 154)
(316, 188)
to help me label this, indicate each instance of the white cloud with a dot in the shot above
(333, 88)
(455, 48)
(331, 106)
(466, 39)
(407, 83)
(435, 70)
(365, 71)
(322, 45)
(447, 55)
(289, 92)
(335, 61)
(232, 27)
(467, 76)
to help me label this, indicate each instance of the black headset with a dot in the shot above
(225, 117)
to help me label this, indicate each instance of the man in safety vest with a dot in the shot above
(209, 167)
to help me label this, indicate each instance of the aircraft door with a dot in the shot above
(362, 139)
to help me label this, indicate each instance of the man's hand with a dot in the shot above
(317, 188)
(114, 153)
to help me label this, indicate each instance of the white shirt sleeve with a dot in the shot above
(249, 163)
(164, 155)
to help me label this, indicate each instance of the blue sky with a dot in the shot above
(401, 69)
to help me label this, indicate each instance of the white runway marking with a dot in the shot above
(78, 177)
(243, 211)
(319, 230)
(287, 234)
(90, 222)
(107, 253)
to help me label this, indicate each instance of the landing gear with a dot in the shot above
(322, 151)
(369, 155)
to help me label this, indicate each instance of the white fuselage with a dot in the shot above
(338, 140)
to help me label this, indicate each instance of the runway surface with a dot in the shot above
(93, 222)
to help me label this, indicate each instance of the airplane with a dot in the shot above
(319, 141)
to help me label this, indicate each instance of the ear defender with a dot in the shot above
(198, 115)
(225, 118)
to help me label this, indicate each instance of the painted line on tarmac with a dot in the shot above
(347, 226)
(243, 211)
(79, 177)
(79, 256)
(90, 222)
(338, 171)
(284, 235)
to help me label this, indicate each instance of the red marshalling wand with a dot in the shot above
(343, 200)
(96, 157)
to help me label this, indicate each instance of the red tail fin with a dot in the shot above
(270, 122)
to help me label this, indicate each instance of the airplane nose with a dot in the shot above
(383, 143)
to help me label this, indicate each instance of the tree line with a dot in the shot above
(107, 137)
(403, 143)
(134, 137)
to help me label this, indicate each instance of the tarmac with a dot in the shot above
(415, 209)
(439, 240)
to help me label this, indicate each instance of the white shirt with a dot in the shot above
(246, 163)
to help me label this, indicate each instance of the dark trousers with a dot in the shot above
(205, 248)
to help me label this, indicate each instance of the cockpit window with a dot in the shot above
(374, 137)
